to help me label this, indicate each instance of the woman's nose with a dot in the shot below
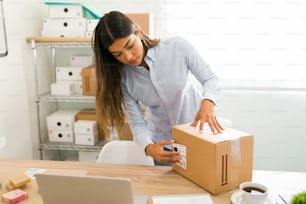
(128, 56)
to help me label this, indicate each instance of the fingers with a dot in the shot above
(213, 123)
(169, 157)
(166, 156)
(165, 142)
(195, 122)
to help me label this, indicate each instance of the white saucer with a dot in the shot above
(236, 198)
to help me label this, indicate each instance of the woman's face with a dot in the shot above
(128, 50)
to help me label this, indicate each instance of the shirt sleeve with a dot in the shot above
(138, 124)
(202, 72)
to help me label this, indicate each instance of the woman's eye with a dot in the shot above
(130, 47)
(117, 55)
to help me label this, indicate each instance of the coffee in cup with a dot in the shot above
(253, 193)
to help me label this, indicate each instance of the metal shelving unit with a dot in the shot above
(46, 97)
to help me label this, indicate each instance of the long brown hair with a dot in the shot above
(109, 99)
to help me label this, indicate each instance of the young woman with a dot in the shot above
(163, 75)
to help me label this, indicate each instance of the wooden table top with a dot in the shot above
(146, 180)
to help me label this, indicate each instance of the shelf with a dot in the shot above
(60, 41)
(71, 146)
(47, 97)
(52, 43)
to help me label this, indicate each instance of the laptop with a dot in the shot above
(77, 189)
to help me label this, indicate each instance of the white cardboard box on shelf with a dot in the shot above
(60, 135)
(85, 127)
(64, 24)
(86, 139)
(62, 88)
(60, 33)
(65, 11)
(91, 24)
(88, 34)
(62, 120)
(69, 73)
(79, 60)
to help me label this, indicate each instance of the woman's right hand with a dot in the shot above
(156, 151)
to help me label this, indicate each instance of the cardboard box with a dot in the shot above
(125, 132)
(68, 73)
(60, 135)
(86, 139)
(81, 60)
(65, 11)
(91, 24)
(62, 89)
(87, 114)
(89, 81)
(144, 20)
(85, 127)
(61, 34)
(218, 163)
(64, 24)
(61, 120)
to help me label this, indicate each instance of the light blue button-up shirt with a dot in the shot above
(171, 90)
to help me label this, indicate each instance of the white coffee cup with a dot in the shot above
(253, 193)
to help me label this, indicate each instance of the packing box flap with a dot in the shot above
(227, 134)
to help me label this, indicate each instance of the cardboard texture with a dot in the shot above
(218, 163)
(89, 81)
(87, 114)
(125, 132)
(144, 20)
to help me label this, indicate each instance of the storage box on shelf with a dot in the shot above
(48, 102)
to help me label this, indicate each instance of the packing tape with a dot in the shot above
(236, 159)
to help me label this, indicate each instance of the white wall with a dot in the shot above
(276, 118)
(277, 121)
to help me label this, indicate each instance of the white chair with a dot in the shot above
(124, 152)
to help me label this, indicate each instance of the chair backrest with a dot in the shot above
(124, 152)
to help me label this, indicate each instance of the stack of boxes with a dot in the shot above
(86, 132)
(64, 21)
(60, 125)
(70, 126)
(69, 78)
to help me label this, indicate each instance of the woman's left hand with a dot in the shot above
(207, 114)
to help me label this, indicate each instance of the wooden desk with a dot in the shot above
(146, 180)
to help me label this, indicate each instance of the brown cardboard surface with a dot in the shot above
(143, 20)
(87, 114)
(125, 132)
(214, 162)
(89, 81)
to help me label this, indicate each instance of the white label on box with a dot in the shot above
(182, 150)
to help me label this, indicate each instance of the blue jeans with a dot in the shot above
(156, 163)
